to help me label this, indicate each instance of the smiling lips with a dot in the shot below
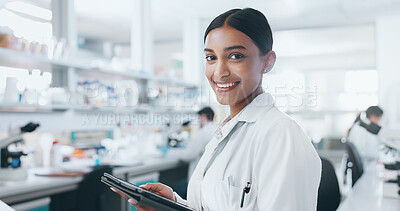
(225, 87)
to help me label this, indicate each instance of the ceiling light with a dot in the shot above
(29, 9)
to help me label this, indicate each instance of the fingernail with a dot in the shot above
(112, 189)
(132, 201)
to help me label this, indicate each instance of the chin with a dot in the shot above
(224, 99)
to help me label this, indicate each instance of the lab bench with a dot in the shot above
(62, 189)
(372, 193)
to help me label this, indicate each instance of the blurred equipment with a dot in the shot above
(11, 153)
(89, 139)
(11, 92)
(354, 163)
(128, 93)
(176, 138)
(392, 149)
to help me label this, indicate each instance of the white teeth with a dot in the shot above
(225, 85)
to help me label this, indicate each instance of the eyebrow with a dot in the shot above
(234, 47)
(227, 49)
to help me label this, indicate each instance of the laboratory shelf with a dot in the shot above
(173, 110)
(17, 59)
(322, 112)
(104, 73)
(25, 60)
(134, 109)
(29, 108)
(111, 109)
(18, 107)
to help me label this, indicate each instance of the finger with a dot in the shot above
(133, 201)
(120, 193)
(159, 189)
(146, 186)
(153, 187)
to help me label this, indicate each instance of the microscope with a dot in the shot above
(10, 157)
(391, 140)
(179, 136)
(393, 145)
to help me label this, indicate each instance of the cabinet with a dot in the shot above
(68, 73)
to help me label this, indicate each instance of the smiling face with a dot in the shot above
(235, 66)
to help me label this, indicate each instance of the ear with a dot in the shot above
(269, 61)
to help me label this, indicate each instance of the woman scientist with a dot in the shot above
(367, 134)
(366, 142)
(259, 158)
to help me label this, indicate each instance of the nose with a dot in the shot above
(221, 70)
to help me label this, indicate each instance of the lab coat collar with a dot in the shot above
(248, 114)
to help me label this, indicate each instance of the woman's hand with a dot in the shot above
(157, 188)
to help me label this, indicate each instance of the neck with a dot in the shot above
(236, 108)
(204, 124)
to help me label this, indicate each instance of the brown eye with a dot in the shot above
(211, 58)
(236, 56)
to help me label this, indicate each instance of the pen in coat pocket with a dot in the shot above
(246, 190)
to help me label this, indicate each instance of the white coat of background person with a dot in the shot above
(195, 147)
(366, 143)
(259, 158)
(368, 135)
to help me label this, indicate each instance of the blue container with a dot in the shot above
(139, 184)
(44, 208)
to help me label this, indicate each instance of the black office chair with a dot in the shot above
(328, 191)
(354, 162)
(93, 195)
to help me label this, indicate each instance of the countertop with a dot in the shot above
(371, 192)
(12, 191)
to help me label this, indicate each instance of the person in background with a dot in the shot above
(259, 158)
(362, 133)
(194, 148)
(367, 134)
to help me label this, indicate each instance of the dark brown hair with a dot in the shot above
(249, 21)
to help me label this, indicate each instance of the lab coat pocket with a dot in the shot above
(231, 197)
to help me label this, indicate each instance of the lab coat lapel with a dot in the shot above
(233, 146)
(260, 103)
(248, 115)
(221, 133)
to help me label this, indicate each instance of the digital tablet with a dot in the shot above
(143, 196)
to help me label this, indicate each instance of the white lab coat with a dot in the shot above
(195, 147)
(271, 151)
(367, 144)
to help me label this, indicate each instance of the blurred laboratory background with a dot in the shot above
(93, 86)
